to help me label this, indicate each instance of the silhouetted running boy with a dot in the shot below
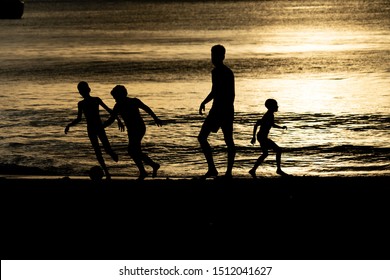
(128, 109)
(90, 107)
(221, 114)
(265, 123)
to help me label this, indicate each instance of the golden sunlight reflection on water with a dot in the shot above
(317, 94)
(306, 41)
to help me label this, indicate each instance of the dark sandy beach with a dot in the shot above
(268, 218)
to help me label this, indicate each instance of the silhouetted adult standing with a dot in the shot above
(128, 109)
(221, 114)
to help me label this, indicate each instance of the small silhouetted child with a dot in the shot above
(265, 123)
(89, 106)
(129, 109)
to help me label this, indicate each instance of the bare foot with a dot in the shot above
(253, 173)
(281, 173)
(142, 176)
(228, 175)
(210, 173)
(114, 156)
(156, 167)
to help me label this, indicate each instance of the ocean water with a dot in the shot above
(327, 63)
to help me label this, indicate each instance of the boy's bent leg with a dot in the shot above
(278, 159)
(279, 170)
(278, 152)
(278, 163)
(259, 161)
(253, 173)
(107, 146)
(98, 153)
(113, 155)
(134, 150)
(146, 159)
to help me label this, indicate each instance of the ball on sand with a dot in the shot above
(96, 173)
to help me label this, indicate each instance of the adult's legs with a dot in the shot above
(206, 148)
(231, 148)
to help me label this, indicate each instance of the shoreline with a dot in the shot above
(267, 218)
(247, 179)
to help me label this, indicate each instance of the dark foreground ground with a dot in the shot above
(270, 218)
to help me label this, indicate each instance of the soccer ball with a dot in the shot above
(96, 173)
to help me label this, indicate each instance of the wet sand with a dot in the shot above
(268, 218)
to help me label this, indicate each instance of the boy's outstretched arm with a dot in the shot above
(146, 108)
(111, 119)
(75, 121)
(101, 103)
(120, 124)
(280, 127)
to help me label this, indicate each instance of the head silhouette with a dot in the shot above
(271, 104)
(83, 88)
(217, 54)
(119, 92)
